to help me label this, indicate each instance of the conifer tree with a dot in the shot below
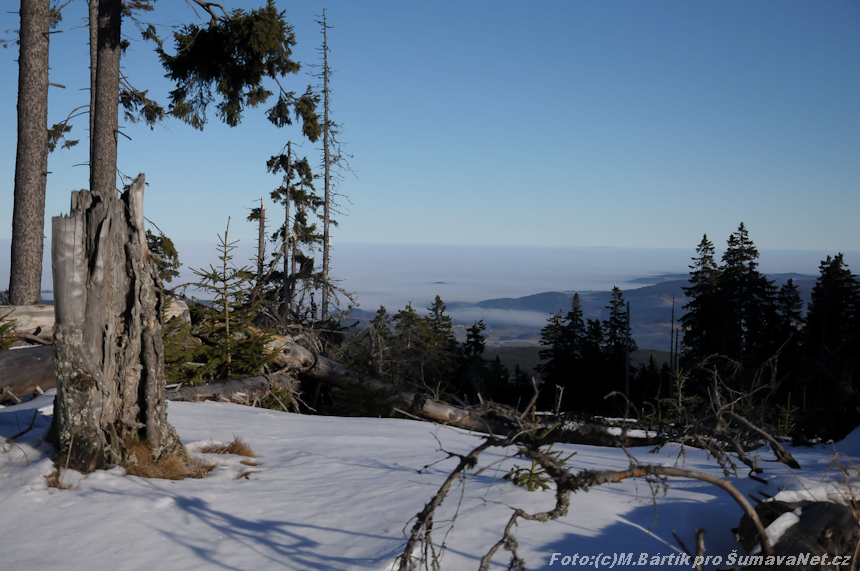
(748, 302)
(472, 370)
(554, 352)
(789, 308)
(232, 345)
(615, 328)
(594, 367)
(702, 317)
(618, 342)
(443, 349)
(562, 340)
(833, 310)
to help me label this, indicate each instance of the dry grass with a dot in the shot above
(238, 447)
(54, 481)
(172, 466)
(249, 463)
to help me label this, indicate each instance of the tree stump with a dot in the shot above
(108, 351)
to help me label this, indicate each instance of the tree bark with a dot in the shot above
(31, 161)
(108, 351)
(327, 173)
(93, 21)
(106, 113)
(287, 307)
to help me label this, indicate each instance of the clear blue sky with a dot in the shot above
(565, 123)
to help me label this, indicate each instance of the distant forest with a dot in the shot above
(738, 330)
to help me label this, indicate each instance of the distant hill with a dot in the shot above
(650, 306)
(650, 310)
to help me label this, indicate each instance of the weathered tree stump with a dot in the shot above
(108, 350)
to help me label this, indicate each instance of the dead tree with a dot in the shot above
(108, 351)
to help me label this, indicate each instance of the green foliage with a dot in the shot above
(535, 477)
(164, 254)
(786, 417)
(182, 353)
(57, 134)
(232, 346)
(280, 398)
(138, 107)
(6, 325)
(232, 57)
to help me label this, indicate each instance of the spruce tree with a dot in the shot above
(472, 370)
(748, 302)
(594, 367)
(833, 311)
(618, 343)
(232, 346)
(443, 347)
(554, 352)
(702, 318)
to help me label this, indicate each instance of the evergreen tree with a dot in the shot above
(748, 302)
(833, 310)
(232, 345)
(562, 340)
(554, 353)
(701, 320)
(472, 370)
(412, 339)
(789, 307)
(615, 329)
(575, 331)
(594, 367)
(618, 341)
(443, 347)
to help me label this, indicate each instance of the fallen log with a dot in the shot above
(818, 529)
(23, 371)
(232, 390)
(338, 375)
(35, 320)
(299, 360)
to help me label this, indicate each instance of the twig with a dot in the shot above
(26, 430)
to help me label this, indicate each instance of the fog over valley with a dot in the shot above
(485, 282)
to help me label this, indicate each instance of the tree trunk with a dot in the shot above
(327, 175)
(108, 350)
(93, 20)
(31, 161)
(106, 112)
(287, 307)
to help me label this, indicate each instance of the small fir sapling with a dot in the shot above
(232, 346)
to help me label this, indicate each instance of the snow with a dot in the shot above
(339, 493)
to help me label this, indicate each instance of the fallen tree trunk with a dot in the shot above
(36, 320)
(822, 529)
(23, 371)
(339, 375)
(299, 360)
(233, 390)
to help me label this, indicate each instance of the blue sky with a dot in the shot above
(623, 124)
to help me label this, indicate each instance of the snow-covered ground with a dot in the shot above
(339, 494)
